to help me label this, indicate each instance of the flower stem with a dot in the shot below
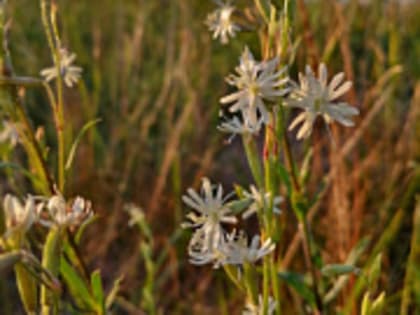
(303, 221)
(49, 23)
(253, 159)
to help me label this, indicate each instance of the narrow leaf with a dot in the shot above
(297, 282)
(73, 149)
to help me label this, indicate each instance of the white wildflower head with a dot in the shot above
(256, 82)
(63, 214)
(236, 251)
(260, 200)
(220, 22)
(9, 133)
(235, 126)
(70, 74)
(316, 97)
(252, 309)
(136, 214)
(18, 217)
(209, 213)
(198, 256)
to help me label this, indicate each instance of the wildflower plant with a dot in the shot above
(52, 264)
(277, 94)
(264, 94)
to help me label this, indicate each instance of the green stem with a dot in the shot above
(275, 283)
(306, 235)
(60, 103)
(51, 261)
(262, 11)
(266, 283)
(54, 43)
(249, 279)
(253, 159)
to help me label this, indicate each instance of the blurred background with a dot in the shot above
(154, 76)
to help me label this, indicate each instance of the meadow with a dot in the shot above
(210, 157)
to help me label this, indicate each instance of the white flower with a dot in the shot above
(251, 309)
(260, 201)
(19, 217)
(67, 215)
(211, 213)
(256, 82)
(220, 22)
(70, 74)
(236, 126)
(235, 251)
(316, 97)
(210, 256)
(136, 214)
(9, 133)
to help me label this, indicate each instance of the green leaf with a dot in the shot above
(83, 227)
(27, 287)
(253, 157)
(77, 287)
(72, 152)
(375, 270)
(239, 190)
(113, 293)
(305, 168)
(365, 305)
(296, 281)
(284, 176)
(239, 206)
(97, 290)
(378, 305)
(51, 262)
(357, 251)
(333, 270)
(299, 205)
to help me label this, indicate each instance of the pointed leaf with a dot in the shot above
(297, 282)
(73, 149)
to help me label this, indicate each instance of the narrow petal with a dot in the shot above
(323, 74)
(341, 90)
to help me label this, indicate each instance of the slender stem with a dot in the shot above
(251, 288)
(54, 42)
(35, 145)
(269, 152)
(60, 103)
(253, 159)
(275, 282)
(304, 226)
(262, 11)
(266, 283)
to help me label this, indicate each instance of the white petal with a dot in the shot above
(323, 74)
(341, 90)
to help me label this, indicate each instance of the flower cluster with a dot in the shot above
(257, 83)
(70, 74)
(210, 243)
(53, 211)
(220, 22)
(260, 83)
(63, 214)
(316, 98)
(18, 217)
